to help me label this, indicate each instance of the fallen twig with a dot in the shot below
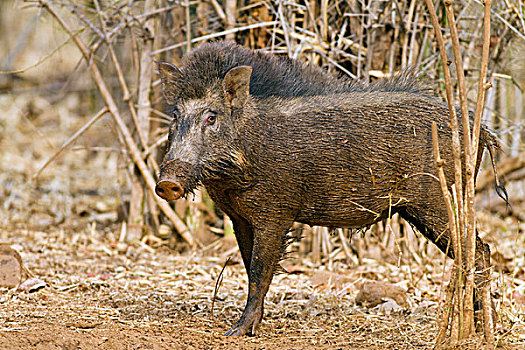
(218, 283)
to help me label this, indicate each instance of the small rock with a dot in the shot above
(389, 306)
(102, 207)
(164, 231)
(32, 285)
(120, 269)
(10, 267)
(373, 293)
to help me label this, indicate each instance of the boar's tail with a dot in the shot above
(492, 143)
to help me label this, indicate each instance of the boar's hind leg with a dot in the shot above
(431, 219)
(266, 253)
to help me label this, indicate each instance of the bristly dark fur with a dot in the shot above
(292, 235)
(206, 66)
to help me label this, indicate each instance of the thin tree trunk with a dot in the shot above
(137, 203)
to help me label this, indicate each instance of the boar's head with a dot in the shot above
(202, 142)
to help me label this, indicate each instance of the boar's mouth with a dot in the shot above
(176, 180)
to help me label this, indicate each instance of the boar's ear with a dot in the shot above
(236, 85)
(169, 75)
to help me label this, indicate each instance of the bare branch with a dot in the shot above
(69, 141)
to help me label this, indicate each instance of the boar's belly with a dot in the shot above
(348, 212)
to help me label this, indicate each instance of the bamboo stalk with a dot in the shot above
(143, 108)
(344, 244)
(467, 216)
(482, 85)
(458, 223)
(450, 100)
(285, 28)
(316, 244)
(452, 219)
(488, 322)
(230, 11)
(324, 14)
(451, 210)
(447, 309)
(188, 25)
(457, 327)
(219, 11)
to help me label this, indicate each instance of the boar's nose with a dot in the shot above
(168, 190)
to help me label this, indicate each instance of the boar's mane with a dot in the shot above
(204, 68)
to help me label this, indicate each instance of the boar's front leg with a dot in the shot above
(244, 236)
(266, 253)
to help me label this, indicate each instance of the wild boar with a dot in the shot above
(275, 142)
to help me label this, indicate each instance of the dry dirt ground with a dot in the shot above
(98, 297)
(101, 293)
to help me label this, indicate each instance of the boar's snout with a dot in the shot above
(173, 179)
(169, 190)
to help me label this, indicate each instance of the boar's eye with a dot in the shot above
(173, 111)
(210, 119)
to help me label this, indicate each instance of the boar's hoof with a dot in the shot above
(236, 331)
(233, 331)
(247, 324)
(168, 190)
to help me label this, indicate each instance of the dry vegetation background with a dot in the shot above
(119, 273)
